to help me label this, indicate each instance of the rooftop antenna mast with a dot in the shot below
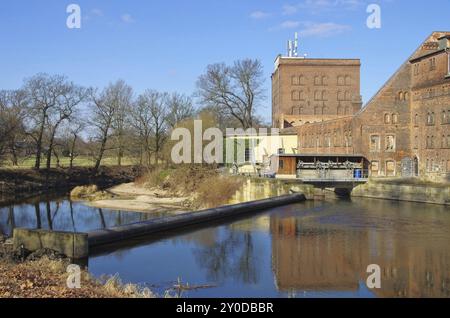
(296, 44)
(289, 48)
(292, 46)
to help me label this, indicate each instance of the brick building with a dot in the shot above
(404, 129)
(314, 90)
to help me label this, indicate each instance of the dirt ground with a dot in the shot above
(131, 197)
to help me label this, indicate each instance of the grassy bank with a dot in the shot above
(206, 186)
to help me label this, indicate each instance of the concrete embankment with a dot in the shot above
(404, 191)
(108, 236)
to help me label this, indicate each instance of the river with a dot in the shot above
(311, 249)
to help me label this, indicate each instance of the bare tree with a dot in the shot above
(235, 90)
(142, 123)
(156, 103)
(71, 97)
(48, 96)
(13, 105)
(180, 107)
(124, 100)
(105, 106)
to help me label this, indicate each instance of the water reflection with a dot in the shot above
(304, 250)
(307, 250)
(63, 215)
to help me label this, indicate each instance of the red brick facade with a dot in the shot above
(405, 128)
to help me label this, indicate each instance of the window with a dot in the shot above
(395, 118)
(316, 110)
(302, 80)
(390, 143)
(324, 95)
(375, 143)
(374, 168)
(416, 69)
(281, 151)
(432, 64)
(348, 80)
(348, 96)
(341, 80)
(295, 80)
(324, 80)
(281, 164)
(390, 168)
(444, 117)
(416, 142)
(430, 118)
(387, 118)
(247, 155)
(416, 120)
(317, 80)
(295, 95)
(317, 95)
(339, 110)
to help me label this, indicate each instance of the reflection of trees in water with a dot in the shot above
(232, 255)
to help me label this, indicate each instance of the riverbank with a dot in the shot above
(18, 184)
(407, 189)
(132, 197)
(43, 274)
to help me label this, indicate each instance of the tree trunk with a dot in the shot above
(100, 154)
(37, 164)
(72, 151)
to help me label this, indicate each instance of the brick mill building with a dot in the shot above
(404, 130)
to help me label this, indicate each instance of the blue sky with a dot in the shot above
(166, 45)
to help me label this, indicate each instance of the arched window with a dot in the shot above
(387, 118)
(317, 95)
(444, 117)
(324, 80)
(430, 118)
(324, 110)
(295, 95)
(340, 95)
(395, 118)
(400, 96)
(341, 80)
(406, 96)
(348, 80)
(416, 119)
(317, 80)
(348, 96)
(302, 80)
(324, 95)
(295, 80)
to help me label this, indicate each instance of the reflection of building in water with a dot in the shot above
(312, 259)
(320, 256)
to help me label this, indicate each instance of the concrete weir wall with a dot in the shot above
(404, 192)
(73, 245)
(107, 236)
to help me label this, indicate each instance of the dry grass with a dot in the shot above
(83, 191)
(202, 183)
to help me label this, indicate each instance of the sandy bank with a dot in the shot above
(131, 197)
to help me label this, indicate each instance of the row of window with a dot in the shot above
(375, 143)
(299, 95)
(389, 168)
(327, 140)
(391, 118)
(321, 110)
(432, 143)
(433, 165)
(431, 118)
(321, 80)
